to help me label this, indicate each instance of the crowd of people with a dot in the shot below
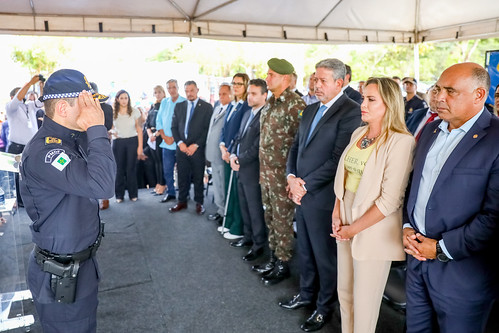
(370, 176)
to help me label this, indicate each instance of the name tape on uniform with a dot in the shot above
(61, 161)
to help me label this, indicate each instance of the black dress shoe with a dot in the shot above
(253, 254)
(314, 323)
(214, 217)
(200, 209)
(178, 207)
(279, 273)
(168, 198)
(241, 243)
(266, 268)
(295, 303)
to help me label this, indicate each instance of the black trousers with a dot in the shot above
(157, 158)
(250, 203)
(16, 148)
(317, 257)
(190, 168)
(125, 154)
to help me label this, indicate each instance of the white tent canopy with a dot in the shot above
(310, 21)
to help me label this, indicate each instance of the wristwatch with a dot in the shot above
(441, 256)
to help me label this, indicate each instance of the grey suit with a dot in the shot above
(214, 156)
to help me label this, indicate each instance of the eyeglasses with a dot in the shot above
(237, 84)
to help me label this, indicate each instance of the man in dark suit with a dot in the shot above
(452, 211)
(324, 132)
(349, 91)
(419, 118)
(244, 160)
(190, 125)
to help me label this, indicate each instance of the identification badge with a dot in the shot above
(61, 161)
(49, 158)
(30, 125)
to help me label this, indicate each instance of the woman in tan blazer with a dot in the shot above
(367, 218)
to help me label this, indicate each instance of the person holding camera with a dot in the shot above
(22, 121)
(22, 115)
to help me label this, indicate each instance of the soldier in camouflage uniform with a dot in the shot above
(279, 122)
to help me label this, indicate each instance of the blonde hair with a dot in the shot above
(161, 89)
(394, 118)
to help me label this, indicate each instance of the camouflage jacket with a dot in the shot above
(279, 122)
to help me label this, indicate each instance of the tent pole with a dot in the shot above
(416, 61)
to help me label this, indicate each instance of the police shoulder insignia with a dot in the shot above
(49, 140)
(61, 161)
(49, 157)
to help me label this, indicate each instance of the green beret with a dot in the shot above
(281, 66)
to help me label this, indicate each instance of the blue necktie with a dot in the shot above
(317, 118)
(188, 120)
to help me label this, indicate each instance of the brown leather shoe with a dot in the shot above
(104, 204)
(200, 209)
(178, 207)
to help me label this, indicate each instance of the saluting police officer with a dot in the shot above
(66, 167)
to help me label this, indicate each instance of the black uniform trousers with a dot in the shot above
(191, 168)
(77, 317)
(250, 203)
(317, 257)
(125, 154)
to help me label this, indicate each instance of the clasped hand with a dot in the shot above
(188, 150)
(296, 189)
(340, 231)
(419, 246)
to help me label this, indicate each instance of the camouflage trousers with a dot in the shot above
(279, 212)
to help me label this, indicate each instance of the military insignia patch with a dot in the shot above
(61, 161)
(50, 140)
(49, 158)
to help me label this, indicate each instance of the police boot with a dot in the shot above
(279, 273)
(264, 269)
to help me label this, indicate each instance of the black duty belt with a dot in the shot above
(42, 255)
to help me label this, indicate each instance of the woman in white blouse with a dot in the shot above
(127, 146)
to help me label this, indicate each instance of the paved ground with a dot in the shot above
(165, 272)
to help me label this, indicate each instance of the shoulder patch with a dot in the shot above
(49, 157)
(49, 140)
(61, 161)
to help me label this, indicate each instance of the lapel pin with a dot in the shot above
(435, 131)
(475, 136)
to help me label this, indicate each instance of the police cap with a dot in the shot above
(67, 83)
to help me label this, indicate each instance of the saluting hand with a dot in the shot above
(91, 113)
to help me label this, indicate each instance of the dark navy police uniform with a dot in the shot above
(63, 174)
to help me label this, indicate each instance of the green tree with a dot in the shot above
(42, 55)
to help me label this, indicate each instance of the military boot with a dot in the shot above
(279, 273)
(264, 269)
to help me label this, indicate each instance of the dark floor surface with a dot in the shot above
(164, 272)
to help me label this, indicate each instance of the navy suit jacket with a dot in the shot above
(463, 210)
(249, 143)
(198, 125)
(353, 94)
(316, 161)
(414, 119)
(231, 127)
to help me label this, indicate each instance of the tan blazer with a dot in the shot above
(383, 183)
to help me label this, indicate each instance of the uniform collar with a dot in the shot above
(60, 131)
